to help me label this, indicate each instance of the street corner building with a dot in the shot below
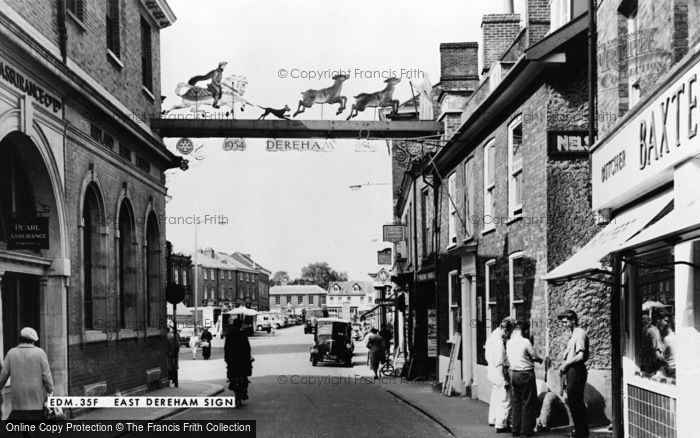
(82, 195)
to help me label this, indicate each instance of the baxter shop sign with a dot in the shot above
(642, 153)
(31, 233)
(29, 87)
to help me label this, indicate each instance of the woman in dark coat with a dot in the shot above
(238, 360)
(206, 343)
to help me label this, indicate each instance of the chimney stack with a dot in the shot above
(499, 32)
(459, 61)
(538, 20)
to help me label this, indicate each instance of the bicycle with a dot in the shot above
(388, 369)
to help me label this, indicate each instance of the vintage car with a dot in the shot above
(332, 341)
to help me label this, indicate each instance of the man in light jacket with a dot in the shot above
(499, 408)
(28, 366)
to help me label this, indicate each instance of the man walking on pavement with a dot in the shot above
(28, 367)
(498, 374)
(574, 368)
(522, 358)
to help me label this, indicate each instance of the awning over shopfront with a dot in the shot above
(616, 234)
(683, 219)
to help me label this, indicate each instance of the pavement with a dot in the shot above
(462, 417)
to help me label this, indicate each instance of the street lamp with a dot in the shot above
(356, 187)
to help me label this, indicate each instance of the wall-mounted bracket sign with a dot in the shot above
(30, 233)
(29, 87)
(384, 257)
(567, 143)
(393, 233)
(279, 145)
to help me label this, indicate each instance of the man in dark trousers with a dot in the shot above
(574, 368)
(522, 358)
(206, 343)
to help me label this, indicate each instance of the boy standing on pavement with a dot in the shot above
(522, 358)
(574, 368)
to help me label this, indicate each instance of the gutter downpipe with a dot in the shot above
(413, 300)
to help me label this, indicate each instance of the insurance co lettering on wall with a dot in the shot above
(27, 86)
(641, 155)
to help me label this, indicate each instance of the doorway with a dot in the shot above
(20, 307)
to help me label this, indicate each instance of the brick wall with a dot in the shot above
(664, 31)
(87, 47)
(499, 31)
(121, 364)
(459, 61)
(537, 12)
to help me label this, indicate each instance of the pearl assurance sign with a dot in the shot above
(642, 154)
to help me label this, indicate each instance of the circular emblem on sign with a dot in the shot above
(383, 275)
(184, 146)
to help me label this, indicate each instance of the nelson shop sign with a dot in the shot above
(641, 155)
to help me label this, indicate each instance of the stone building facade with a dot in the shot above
(92, 171)
(514, 193)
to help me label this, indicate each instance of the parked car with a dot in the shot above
(276, 322)
(264, 322)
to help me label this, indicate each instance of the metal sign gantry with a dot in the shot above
(337, 129)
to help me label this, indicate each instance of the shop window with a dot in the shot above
(491, 299)
(127, 282)
(515, 167)
(469, 198)
(153, 260)
(452, 196)
(455, 302)
(16, 193)
(653, 320)
(489, 184)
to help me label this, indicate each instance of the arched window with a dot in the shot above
(153, 271)
(16, 193)
(127, 267)
(93, 264)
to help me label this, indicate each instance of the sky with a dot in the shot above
(288, 209)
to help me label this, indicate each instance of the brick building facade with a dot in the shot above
(85, 163)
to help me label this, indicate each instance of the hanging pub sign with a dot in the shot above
(384, 257)
(393, 233)
(567, 143)
(29, 87)
(280, 145)
(29, 233)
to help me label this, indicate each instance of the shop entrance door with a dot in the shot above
(20, 307)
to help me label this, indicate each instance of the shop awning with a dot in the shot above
(683, 219)
(620, 230)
